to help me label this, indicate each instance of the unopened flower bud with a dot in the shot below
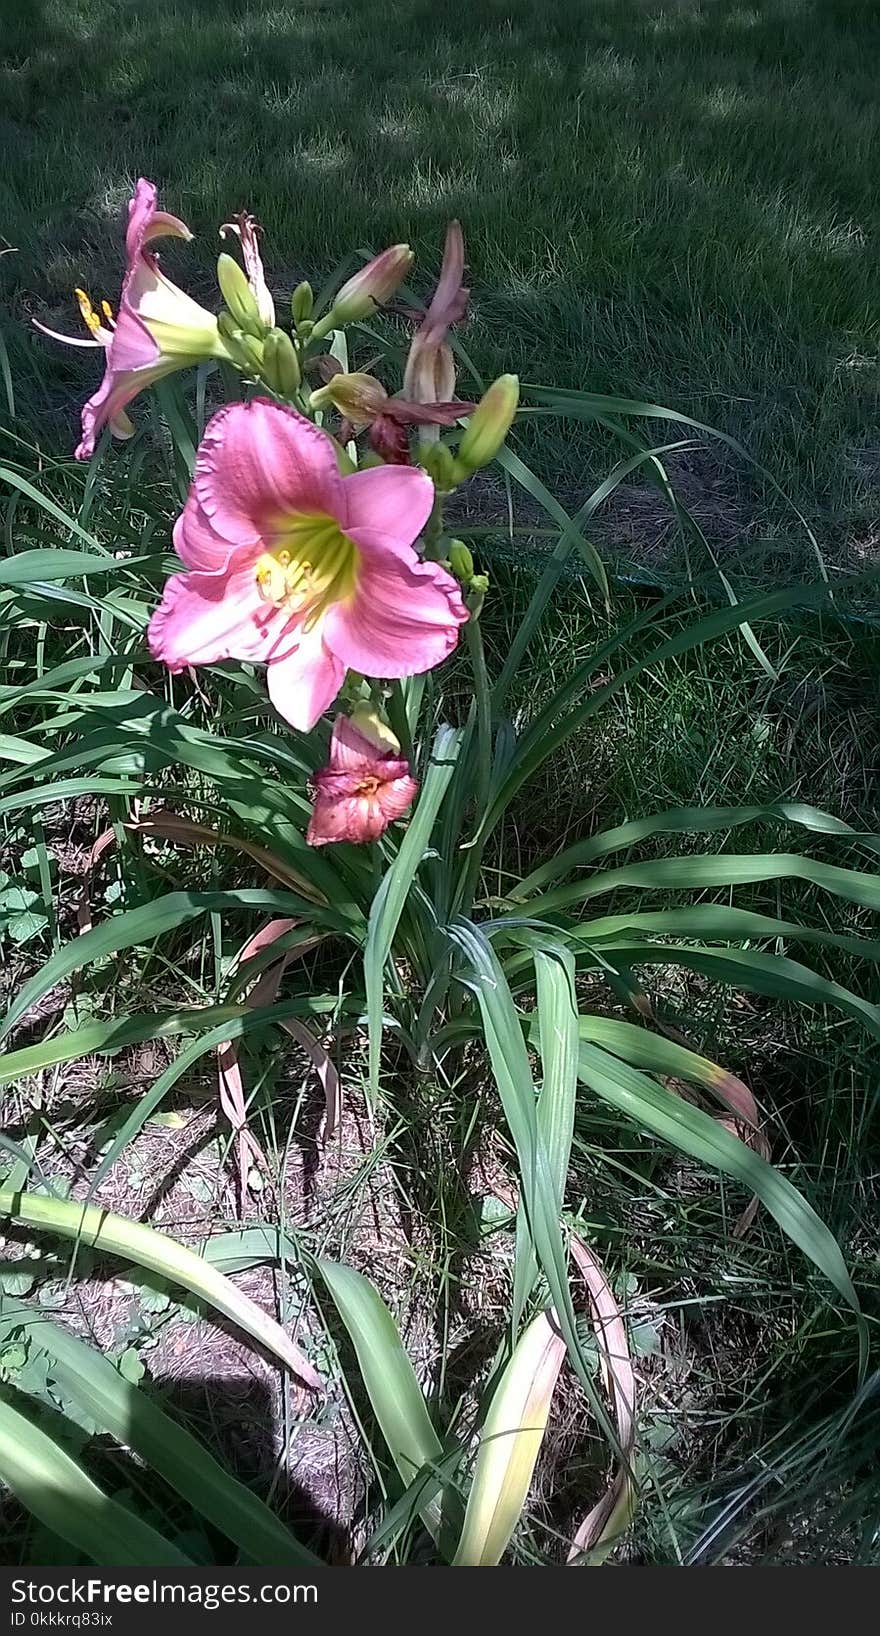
(489, 424)
(437, 460)
(281, 369)
(370, 288)
(239, 297)
(301, 303)
(245, 351)
(368, 721)
(461, 562)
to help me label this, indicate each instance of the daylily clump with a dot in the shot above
(302, 552)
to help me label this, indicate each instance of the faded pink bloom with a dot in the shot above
(247, 230)
(430, 367)
(362, 789)
(363, 401)
(294, 566)
(158, 328)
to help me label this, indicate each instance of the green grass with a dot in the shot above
(675, 200)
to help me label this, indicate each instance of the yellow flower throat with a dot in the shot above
(311, 565)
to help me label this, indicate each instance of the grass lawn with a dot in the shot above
(671, 200)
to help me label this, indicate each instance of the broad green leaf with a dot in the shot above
(102, 1230)
(128, 1413)
(691, 1130)
(750, 969)
(390, 1381)
(716, 920)
(687, 821)
(106, 1037)
(557, 1021)
(538, 1181)
(390, 900)
(143, 925)
(29, 567)
(44, 1477)
(721, 869)
(510, 1442)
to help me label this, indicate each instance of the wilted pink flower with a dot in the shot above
(430, 368)
(363, 401)
(158, 328)
(247, 230)
(294, 566)
(364, 787)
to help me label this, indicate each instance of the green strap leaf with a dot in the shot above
(692, 1131)
(687, 821)
(102, 1230)
(50, 1483)
(390, 900)
(128, 1414)
(722, 869)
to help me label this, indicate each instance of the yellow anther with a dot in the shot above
(306, 585)
(107, 310)
(284, 558)
(90, 317)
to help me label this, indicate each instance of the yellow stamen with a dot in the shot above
(107, 310)
(310, 565)
(90, 317)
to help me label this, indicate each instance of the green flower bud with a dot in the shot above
(301, 303)
(475, 595)
(239, 297)
(245, 351)
(281, 368)
(437, 460)
(489, 424)
(461, 562)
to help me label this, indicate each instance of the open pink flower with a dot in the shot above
(292, 565)
(157, 329)
(362, 790)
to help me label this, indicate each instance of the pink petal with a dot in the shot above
(145, 222)
(350, 750)
(257, 459)
(204, 618)
(404, 615)
(450, 299)
(396, 797)
(107, 404)
(359, 817)
(304, 681)
(197, 544)
(394, 501)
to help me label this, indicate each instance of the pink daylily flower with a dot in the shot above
(362, 790)
(247, 230)
(292, 565)
(158, 328)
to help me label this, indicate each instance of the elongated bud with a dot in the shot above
(281, 368)
(371, 287)
(489, 424)
(301, 303)
(239, 297)
(358, 396)
(367, 720)
(461, 562)
(439, 463)
(245, 351)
